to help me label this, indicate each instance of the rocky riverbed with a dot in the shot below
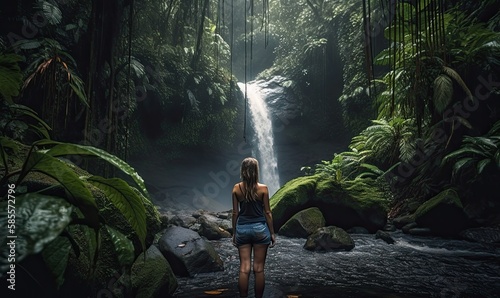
(411, 267)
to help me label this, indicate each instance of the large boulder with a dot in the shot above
(188, 253)
(293, 197)
(443, 214)
(329, 239)
(338, 207)
(152, 276)
(303, 224)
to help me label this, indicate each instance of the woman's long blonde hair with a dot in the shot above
(250, 177)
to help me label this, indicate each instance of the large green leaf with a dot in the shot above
(56, 255)
(11, 76)
(22, 110)
(123, 247)
(77, 193)
(482, 164)
(39, 219)
(496, 158)
(60, 171)
(126, 200)
(464, 151)
(461, 164)
(443, 92)
(62, 149)
(7, 143)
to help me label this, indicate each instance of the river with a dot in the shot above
(412, 267)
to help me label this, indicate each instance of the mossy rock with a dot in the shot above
(443, 214)
(338, 207)
(303, 224)
(152, 275)
(292, 198)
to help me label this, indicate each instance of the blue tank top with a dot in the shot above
(251, 212)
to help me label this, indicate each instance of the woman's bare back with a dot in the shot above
(239, 188)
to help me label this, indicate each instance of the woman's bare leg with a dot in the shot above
(245, 252)
(259, 259)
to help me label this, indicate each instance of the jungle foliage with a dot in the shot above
(49, 198)
(435, 87)
(125, 76)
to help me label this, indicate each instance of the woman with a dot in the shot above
(252, 226)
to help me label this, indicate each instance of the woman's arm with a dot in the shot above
(235, 213)
(269, 215)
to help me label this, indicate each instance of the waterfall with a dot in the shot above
(261, 120)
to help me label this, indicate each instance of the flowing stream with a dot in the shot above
(412, 267)
(262, 125)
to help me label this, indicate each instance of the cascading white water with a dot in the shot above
(262, 124)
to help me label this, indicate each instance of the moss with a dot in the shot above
(338, 206)
(295, 190)
(328, 189)
(291, 198)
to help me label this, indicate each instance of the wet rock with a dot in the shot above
(406, 228)
(329, 238)
(384, 236)
(402, 221)
(224, 214)
(152, 276)
(210, 229)
(389, 227)
(420, 231)
(303, 223)
(188, 253)
(358, 230)
(182, 220)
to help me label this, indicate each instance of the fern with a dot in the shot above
(476, 154)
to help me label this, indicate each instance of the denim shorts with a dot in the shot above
(252, 233)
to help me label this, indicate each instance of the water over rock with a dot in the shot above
(188, 253)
